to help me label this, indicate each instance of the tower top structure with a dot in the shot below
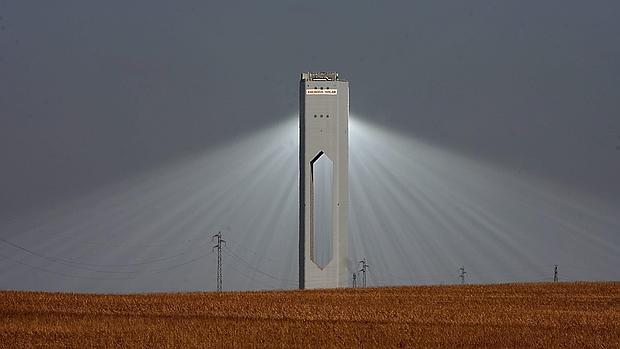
(320, 76)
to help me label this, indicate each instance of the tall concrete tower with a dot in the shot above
(323, 188)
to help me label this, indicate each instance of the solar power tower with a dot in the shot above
(323, 189)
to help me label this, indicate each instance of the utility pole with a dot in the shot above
(354, 280)
(555, 273)
(218, 237)
(462, 274)
(363, 270)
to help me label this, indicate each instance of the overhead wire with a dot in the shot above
(136, 273)
(45, 270)
(85, 265)
(255, 269)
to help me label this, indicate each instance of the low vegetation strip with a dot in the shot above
(579, 315)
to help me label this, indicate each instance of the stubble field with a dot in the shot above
(576, 315)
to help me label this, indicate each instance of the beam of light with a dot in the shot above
(417, 213)
(152, 232)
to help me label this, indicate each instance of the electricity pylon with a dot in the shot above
(363, 270)
(462, 274)
(220, 243)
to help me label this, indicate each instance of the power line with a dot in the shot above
(262, 256)
(63, 274)
(251, 277)
(134, 274)
(220, 243)
(104, 244)
(70, 262)
(359, 277)
(518, 274)
(255, 269)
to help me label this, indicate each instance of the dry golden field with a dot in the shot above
(576, 315)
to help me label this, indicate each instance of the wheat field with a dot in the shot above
(578, 315)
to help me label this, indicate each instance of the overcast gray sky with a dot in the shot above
(95, 92)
